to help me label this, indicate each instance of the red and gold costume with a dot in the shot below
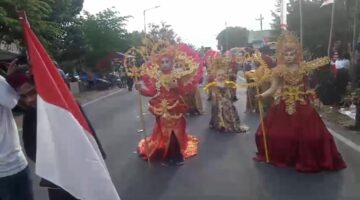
(296, 135)
(166, 89)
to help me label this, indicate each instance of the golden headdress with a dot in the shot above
(185, 62)
(219, 63)
(288, 42)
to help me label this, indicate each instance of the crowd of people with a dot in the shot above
(171, 80)
(292, 145)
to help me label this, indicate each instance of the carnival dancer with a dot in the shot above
(224, 116)
(210, 54)
(171, 73)
(254, 74)
(294, 134)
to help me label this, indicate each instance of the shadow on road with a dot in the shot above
(144, 181)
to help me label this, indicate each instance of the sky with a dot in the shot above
(196, 21)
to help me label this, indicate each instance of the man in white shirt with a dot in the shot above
(15, 183)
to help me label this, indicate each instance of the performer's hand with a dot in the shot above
(138, 85)
(12, 67)
(259, 97)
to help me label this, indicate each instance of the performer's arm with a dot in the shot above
(149, 92)
(147, 88)
(274, 86)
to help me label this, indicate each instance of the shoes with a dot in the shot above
(179, 163)
(172, 163)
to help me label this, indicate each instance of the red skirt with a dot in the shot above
(158, 145)
(300, 140)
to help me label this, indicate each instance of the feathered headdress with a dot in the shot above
(288, 42)
(219, 63)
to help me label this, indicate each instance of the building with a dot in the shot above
(259, 38)
(9, 51)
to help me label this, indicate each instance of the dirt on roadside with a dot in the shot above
(333, 115)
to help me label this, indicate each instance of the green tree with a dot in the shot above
(64, 11)
(135, 38)
(276, 23)
(162, 31)
(70, 42)
(104, 33)
(316, 24)
(38, 12)
(232, 37)
(73, 46)
(50, 19)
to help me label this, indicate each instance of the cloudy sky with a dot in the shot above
(195, 21)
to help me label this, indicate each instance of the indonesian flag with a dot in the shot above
(327, 2)
(67, 154)
(283, 15)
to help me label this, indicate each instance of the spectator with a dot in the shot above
(26, 88)
(15, 182)
(342, 65)
(62, 73)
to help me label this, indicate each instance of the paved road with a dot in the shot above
(223, 170)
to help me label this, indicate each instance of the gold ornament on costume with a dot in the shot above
(130, 63)
(261, 75)
(219, 64)
(230, 84)
(184, 67)
(293, 89)
(238, 54)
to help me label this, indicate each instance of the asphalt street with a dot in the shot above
(223, 169)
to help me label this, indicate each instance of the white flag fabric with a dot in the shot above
(283, 15)
(327, 2)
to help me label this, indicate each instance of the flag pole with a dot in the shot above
(331, 27)
(283, 17)
(261, 112)
(143, 126)
(301, 23)
(136, 74)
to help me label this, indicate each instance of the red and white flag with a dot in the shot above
(327, 2)
(67, 154)
(283, 15)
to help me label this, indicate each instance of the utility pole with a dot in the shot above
(261, 21)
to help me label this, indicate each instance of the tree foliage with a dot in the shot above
(38, 12)
(232, 37)
(316, 24)
(104, 33)
(276, 23)
(50, 19)
(135, 38)
(162, 31)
